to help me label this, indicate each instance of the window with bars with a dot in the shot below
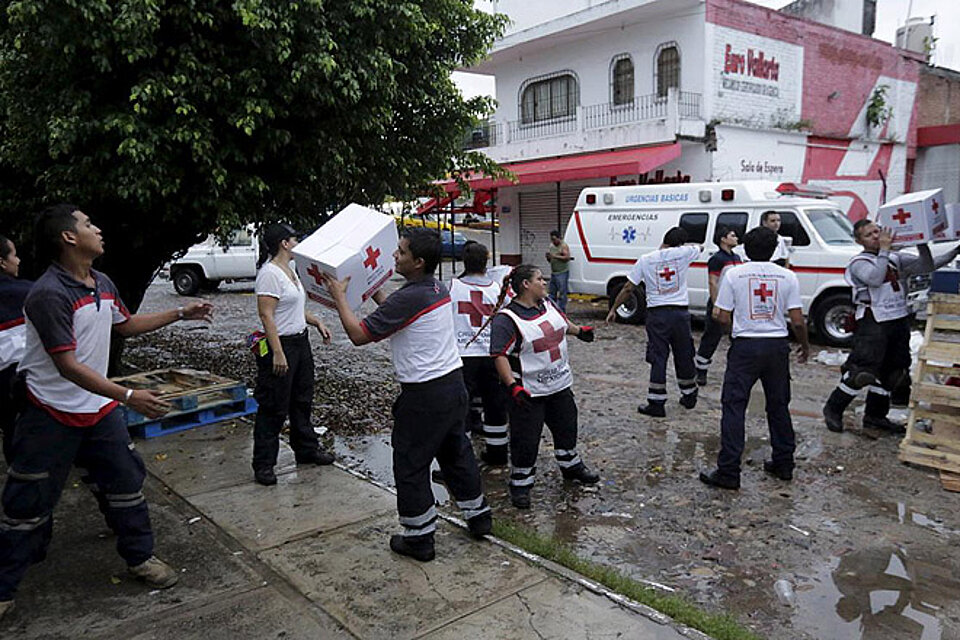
(668, 69)
(621, 80)
(550, 98)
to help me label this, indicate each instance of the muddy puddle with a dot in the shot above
(870, 547)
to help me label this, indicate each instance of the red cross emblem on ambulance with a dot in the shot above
(475, 308)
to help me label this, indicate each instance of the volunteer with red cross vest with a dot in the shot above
(13, 335)
(529, 346)
(664, 275)
(880, 357)
(758, 294)
(474, 295)
(429, 413)
(73, 415)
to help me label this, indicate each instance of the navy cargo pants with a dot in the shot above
(44, 450)
(668, 329)
(749, 360)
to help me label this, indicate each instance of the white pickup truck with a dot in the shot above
(204, 266)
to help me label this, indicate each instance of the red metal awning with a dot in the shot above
(603, 164)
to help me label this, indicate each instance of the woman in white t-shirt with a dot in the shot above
(285, 365)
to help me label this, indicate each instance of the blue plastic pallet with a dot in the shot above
(193, 419)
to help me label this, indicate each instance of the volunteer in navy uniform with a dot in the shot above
(880, 357)
(285, 370)
(726, 239)
(13, 333)
(771, 220)
(429, 413)
(528, 341)
(758, 295)
(72, 415)
(474, 295)
(664, 275)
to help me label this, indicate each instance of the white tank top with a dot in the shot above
(473, 303)
(887, 301)
(544, 366)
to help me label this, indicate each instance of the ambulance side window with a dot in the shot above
(790, 226)
(695, 224)
(735, 220)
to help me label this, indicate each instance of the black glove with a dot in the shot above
(519, 394)
(586, 333)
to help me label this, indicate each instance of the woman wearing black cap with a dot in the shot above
(285, 363)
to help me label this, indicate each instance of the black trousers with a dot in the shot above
(712, 333)
(559, 412)
(883, 349)
(749, 360)
(428, 423)
(12, 398)
(481, 379)
(43, 452)
(281, 396)
(668, 329)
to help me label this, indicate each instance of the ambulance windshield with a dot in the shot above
(832, 225)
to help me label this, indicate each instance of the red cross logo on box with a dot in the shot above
(936, 206)
(475, 309)
(763, 292)
(901, 216)
(667, 274)
(314, 271)
(550, 341)
(371, 260)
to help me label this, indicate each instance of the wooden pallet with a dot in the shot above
(950, 481)
(933, 430)
(197, 398)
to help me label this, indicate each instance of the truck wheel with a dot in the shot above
(186, 281)
(833, 318)
(210, 285)
(634, 310)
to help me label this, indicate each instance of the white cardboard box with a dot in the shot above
(357, 242)
(915, 218)
(953, 221)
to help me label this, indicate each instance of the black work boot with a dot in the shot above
(701, 377)
(320, 456)
(520, 497)
(580, 473)
(714, 479)
(416, 547)
(833, 418)
(653, 409)
(782, 472)
(883, 423)
(480, 525)
(265, 476)
(688, 400)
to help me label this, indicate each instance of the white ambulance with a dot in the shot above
(612, 226)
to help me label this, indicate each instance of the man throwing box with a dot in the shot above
(429, 414)
(72, 415)
(880, 357)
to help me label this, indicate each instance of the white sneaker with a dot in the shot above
(156, 573)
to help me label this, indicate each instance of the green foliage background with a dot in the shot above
(165, 120)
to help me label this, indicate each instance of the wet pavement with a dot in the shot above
(867, 543)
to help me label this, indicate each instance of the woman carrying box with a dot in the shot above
(285, 365)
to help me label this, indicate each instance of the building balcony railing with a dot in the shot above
(677, 104)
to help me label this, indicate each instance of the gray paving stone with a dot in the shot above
(308, 500)
(557, 609)
(352, 574)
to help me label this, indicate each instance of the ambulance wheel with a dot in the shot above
(833, 318)
(634, 310)
(186, 281)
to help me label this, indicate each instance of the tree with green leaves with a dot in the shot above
(167, 120)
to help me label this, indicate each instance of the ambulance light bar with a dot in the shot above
(803, 190)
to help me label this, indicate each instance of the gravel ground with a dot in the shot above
(868, 544)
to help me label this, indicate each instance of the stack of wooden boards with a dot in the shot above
(933, 431)
(198, 398)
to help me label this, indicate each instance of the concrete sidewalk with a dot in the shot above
(307, 558)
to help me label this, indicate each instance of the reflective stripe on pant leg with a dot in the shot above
(687, 386)
(880, 391)
(702, 363)
(420, 525)
(522, 476)
(567, 458)
(657, 392)
(473, 508)
(495, 435)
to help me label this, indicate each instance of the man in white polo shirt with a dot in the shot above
(430, 412)
(664, 276)
(72, 415)
(757, 294)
